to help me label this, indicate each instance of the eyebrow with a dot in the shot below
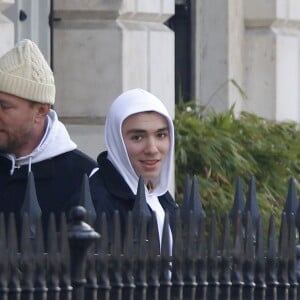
(4, 101)
(137, 130)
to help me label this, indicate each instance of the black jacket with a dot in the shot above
(110, 192)
(56, 180)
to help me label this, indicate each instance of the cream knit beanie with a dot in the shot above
(25, 73)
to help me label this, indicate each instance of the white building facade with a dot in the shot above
(100, 48)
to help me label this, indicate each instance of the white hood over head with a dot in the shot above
(129, 103)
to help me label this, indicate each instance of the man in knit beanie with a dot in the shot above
(32, 138)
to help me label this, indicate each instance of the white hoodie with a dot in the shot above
(56, 141)
(129, 103)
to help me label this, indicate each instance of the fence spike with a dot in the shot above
(212, 269)
(31, 205)
(64, 250)
(166, 251)
(189, 248)
(141, 256)
(259, 271)
(237, 258)
(128, 241)
(192, 213)
(102, 257)
(237, 254)
(225, 259)
(297, 223)
(165, 275)
(116, 252)
(292, 253)
(292, 263)
(271, 260)
(52, 258)
(201, 261)
(153, 261)
(115, 271)
(195, 201)
(239, 201)
(26, 259)
(91, 286)
(185, 207)
(177, 252)
(140, 208)
(177, 258)
(291, 203)
(127, 262)
(12, 243)
(282, 273)
(251, 206)
(282, 253)
(201, 257)
(154, 241)
(248, 265)
(116, 248)
(39, 252)
(101, 227)
(86, 200)
(260, 258)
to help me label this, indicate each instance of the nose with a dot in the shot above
(151, 147)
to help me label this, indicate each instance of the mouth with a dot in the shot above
(151, 162)
(152, 165)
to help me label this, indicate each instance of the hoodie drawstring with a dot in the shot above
(29, 164)
(12, 169)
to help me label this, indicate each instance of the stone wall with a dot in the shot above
(272, 58)
(102, 48)
(254, 45)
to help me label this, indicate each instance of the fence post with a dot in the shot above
(81, 236)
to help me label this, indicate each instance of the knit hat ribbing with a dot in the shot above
(24, 72)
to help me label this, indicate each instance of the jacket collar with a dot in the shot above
(113, 179)
(44, 169)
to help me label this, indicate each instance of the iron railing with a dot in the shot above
(91, 259)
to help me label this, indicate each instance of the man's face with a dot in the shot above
(17, 124)
(147, 140)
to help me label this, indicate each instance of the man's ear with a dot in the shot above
(43, 109)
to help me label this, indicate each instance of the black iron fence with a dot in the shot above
(91, 259)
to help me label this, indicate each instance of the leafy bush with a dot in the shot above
(218, 148)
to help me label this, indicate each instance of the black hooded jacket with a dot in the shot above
(56, 179)
(110, 192)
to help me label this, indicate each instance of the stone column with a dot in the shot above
(272, 58)
(6, 28)
(102, 48)
(219, 34)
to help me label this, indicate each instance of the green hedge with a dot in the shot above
(218, 148)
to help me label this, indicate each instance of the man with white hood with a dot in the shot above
(32, 138)
(139, 137)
